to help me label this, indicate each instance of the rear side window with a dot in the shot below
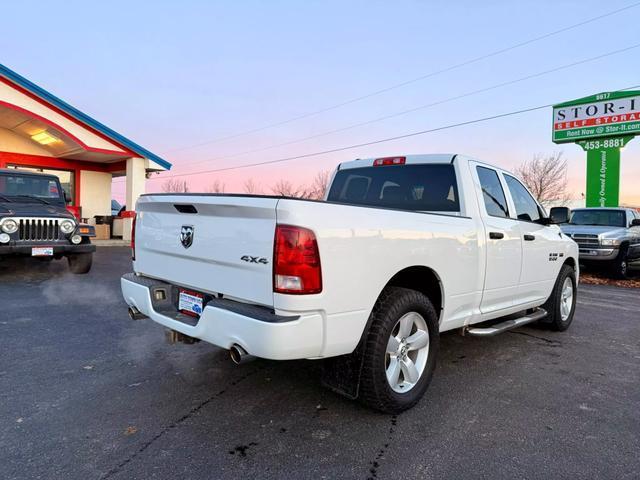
(492, 193)
(526, 207)
(429, 188)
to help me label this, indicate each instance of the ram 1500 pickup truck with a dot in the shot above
(606, 236)
(401, 249)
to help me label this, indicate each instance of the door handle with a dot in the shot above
(529, 238)
(496, 235)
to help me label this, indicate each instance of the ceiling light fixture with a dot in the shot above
(44, 138)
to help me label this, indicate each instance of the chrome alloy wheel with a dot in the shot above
(566, 299)
(407, 352)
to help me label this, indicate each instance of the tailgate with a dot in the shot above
(230, 251)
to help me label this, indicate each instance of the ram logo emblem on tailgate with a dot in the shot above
(186, 235)
(251, 259)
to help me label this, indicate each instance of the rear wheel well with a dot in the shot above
(342, 373)
(422, 279)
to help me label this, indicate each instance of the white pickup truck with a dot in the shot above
(402, 249)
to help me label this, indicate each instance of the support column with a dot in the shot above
(603, 177)
(135, 181)
(603, 170)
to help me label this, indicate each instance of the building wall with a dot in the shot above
(11, 142)
(95, 193)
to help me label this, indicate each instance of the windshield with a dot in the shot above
(40, 187)
(428, 188)
(604, 218)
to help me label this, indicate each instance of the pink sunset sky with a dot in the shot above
(180, 78)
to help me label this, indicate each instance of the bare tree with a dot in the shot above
(546, 178)
(314, 191)
(319, 185)
(251, 187)
(287, 189)
(172, 185)
(216, 187)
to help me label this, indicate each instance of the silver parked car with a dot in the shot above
(606, 236)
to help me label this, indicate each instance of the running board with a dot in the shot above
(507, 324)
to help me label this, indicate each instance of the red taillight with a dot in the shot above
(296, 261)
(133, 238)
(378, 162)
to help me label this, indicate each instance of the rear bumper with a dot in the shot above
(225, 323)
(58, 250)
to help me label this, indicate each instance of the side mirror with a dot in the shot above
(66, 197)
(559, 215)
(635, 222)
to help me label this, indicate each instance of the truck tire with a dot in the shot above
(400, 350)
(620, 266)
(561, 304)
(80, 263)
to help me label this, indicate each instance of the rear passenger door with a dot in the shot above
(540, 255)
(502, 240)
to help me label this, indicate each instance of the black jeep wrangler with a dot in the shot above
(34, 221)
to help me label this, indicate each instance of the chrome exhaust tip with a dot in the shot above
(135, 314)
(239, 355)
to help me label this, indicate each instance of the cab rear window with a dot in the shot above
(429, 188)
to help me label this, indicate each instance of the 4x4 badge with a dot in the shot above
(186, 235)
(252, 259)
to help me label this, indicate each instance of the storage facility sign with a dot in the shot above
(601, 124)
(604, 115)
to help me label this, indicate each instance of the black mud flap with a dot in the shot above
(342, 374)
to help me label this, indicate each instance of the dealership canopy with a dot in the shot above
(39, 131)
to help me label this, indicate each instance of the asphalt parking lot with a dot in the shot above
(86, 393)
